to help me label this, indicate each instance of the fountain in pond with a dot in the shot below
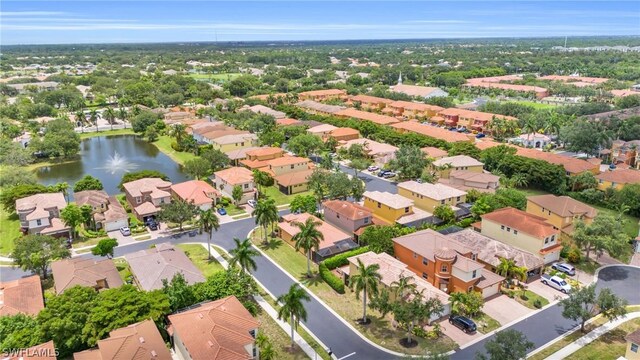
(117, 163)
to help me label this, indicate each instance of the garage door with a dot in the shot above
(490, 291)
(115, 225)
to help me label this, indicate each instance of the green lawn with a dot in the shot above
(234, 210)
(123, 269)
(215, 77)
(280, 198)
(535, 105)
(107, 133)
(9, 231)
(609, 346)
(198, 255)
(486, 323)
(164, 144)
(531, 297)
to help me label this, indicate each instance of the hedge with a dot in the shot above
(341, 259)
(331, 279)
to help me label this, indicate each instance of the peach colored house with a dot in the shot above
(197, 192)
(108, 213)
(314, 107)
(366, 116)
(259, 157)
(225, 180)
(369, 103)
(469, 119)
(40, 214)
(348, 216)
(434, 152)
(419, 91)
(323, 95)
(145, 196)
(98, 274)
(344, 134)
(431, 131)
(21, 296)
(411, 110)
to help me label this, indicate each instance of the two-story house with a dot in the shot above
(525, 231)
(391, 208)
(258, 158)
(625, 152)
(323, 95)
(428, 196)
(215, 330)
(291, 173)
(323, 131)
(233, 142)
(225, 180)
(469, 180)
(445, 165)
(146, 195)
(380, 153)
(411, 110)
(348, 216)
(108, 213)
(445, 263)
(369, 103)
(617, 179)
(560, 211)
(40, 214)
(196, 192)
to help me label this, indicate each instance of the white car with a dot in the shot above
(252, 203)
(125, 231)
(373, 168)
(557, 283)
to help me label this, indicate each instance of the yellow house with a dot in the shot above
(525, 231)
(429, 196)
(560, 211)
(386, 206)
(617, 179)
(291, 173)
(633, 346)
(458, 162)
(234, 142)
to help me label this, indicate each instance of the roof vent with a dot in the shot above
(154, 353)
(209, 343)
(141, 340)
(200, 315)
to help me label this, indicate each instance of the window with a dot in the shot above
(162, 201)
(470, 289)
(415, 256)
(508, 229)
(424, 275)
(38, 222)
(474, 257)
(379, 205)
(501, 227)
(634, 347)
(338, 216)
(444, 268)
(292, 166)
(242, 144)
(102, 206)
(366, 220)
(406, 210)
(473, 275)
(138, 200)
(458, 198)
(442, 202)
(515, 232)
(553, 238)
(246, 186)
(546, 240)
(425, 261)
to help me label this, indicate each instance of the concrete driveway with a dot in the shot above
(505, 310)
(460, 337)
(546, 291)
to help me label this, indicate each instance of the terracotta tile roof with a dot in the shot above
(294, 178)
(633, 337)
(320, 107)
(525, 88)
(136, 341)
(45, 351)
(466, 264)
(265, 97)
(91, 197)
(487, 279)
(240, 153)
(368, 116)
(623, 93)
(370, 99)
(265, 151)
(394, 201)
(320, 129)
(68, 273)
(115, 211)
(331, 233)
(345, 131)
(517, 219)
(322, 92)
(164, 261)
(624, 176)
(431, 131)
(197, 192)
(261, 109)
(430, 244)
(373, 148)
(235, 175)
(434, 152)
(205, 127)
(41, 201)
(458, 161)
(563, 205)
(471, 114)
(57, 226)
(147, 185)
(288, 160)
(216, 330)
(432, 191)
(482, 177)
(217, 133)
(348, 209)
(288, 122)
(235, 138)
(567, 78)
(414, 106)
(414, 90)
(22, 296)
(146, 208)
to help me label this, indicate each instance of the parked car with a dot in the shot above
(69, 243)
(565, 268)
(222, 211)
(382, 172)
(480, 136)
(252, 203)
(557, 283)
(373, 168)
(333, 155)
(463, 323)
(389, 174)
(125, 231)
(152, 225)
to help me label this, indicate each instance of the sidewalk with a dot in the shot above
(590, 337)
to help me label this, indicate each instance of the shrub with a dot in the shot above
(565, 251)
(574, 256)
(331, 279)
(537, 303)
(341, 259)
(466, 222)
(225, 202)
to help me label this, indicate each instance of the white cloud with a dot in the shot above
(31, 13)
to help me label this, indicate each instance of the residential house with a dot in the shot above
(21, 296)
(198, 130)
(291, 173)
(366, 116)
(107, 212)
(323, 131)
(466, 180)
(434, 153)
(335, 241)
(225, 180)
(419, 91)
(38, 86)
(261, 109)
(288, 122)
(178, 117)
(572, 79)
(617, 179)
(525, 231)
(137, 341)
(258, 158)
(488, 252)
(537, 91)
(411, 110)
(626, 152)
(197, 192)
(369, 103)
(458, 162)
(445, 263)
(44, 351)
(471, 120)
(100, 274)
(235, 156)
(428, 196)
(323, 95)
(560, 211)
(314, 107)
(149, 267)
(215, 330)
(393, 208)
(380, 153)
(146, 195)
(348, 216)
(227, 143)
(40, 214)
(533, 140)
(23, 139)
(632, 351)
(391, 271)
(431, 131)
(344, 134)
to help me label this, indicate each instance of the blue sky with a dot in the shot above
(60, 22)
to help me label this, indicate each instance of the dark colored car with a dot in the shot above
(463, 323)
(152, 224)
(480, 136)
(381, 173)
(222, 211)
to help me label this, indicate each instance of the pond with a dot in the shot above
(108, 158)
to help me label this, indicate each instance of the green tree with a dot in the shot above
(243, 254)
(266, 350)
(216, 158)
(445, 213)
(603, 233)
(13, 175)
(467, 304)
(197, 168)
(179, 292)
(303, 203)
(177, 211)
(338, 185)
(72, 216)
(266, 213)
(585, 136)
(357, 188)
(464, 148)
(365, 281)
(308, 238)
(415, 311)
(36, 252)
(358, 165)
(507, 345)
(8, 196)
(409, 162)
(208, 222)
(582, 304)
(88, 182)
(236, 194)
(262, 179)
(583, 181)
(93, 117)
(226, 283)
(509, 269)
(141, 121)
(293, 307)
(110, 115)
(305, 144)
(151, 133)
(19, 331)
(105, 248)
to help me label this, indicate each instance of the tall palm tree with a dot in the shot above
(93, 117)
(403, 286)
(365, 281)
(266, 213)
(509, 269)
(261, 178)
(63, 187)
(110, 115)
(208, 222)
(243, 255)
(529, 128)
(123, 115)
(179, 132)
(308, 238)
(457, 301)
(81, 117)
(293, 307)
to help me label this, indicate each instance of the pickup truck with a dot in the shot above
(557, 283)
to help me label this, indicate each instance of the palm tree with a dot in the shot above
(510, 270)
(123, 115)
(293, 308)
(81, 117)
(208, 222)
(266, 213)
(403, 286)
(529, 128)
(457, 301)
(366, 280)
(179, 132)
(243, 255)
(308, 238)
(110, 115)
(63, 187)
(261, 178)
(518, 180)
(93, 117)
